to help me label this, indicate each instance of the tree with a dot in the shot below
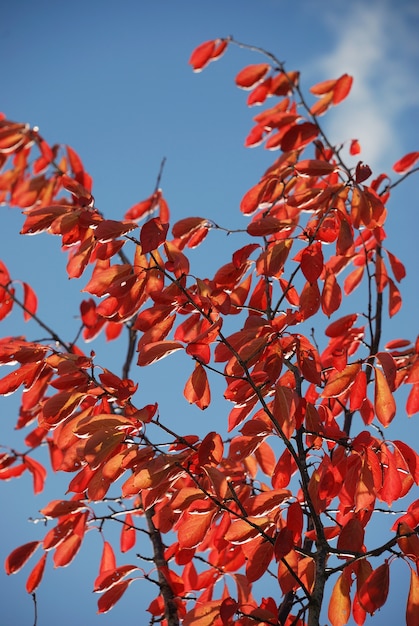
(284, 489)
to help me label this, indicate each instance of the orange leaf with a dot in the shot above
(241, 532)
(384, 403)
(412, 608)
(339, 382)
(111, 597)
(192, 531)
(340, 602)
(251, 75)
(36, 574)
(404, 164)
(197, 389)
(17, 559)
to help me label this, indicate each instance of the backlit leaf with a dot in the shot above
(17, 559)
(404, 164)
(158, 350)
(197, 389)
(111, 597)
(251, 75)
(30, 302)
(339, 382)
(384, 403)
(36, 574)
(412, 608)
(340, 602)
(152, 234)
(374, 591)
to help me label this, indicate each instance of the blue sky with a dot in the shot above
(113, 81)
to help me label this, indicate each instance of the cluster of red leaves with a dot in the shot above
(230, 505)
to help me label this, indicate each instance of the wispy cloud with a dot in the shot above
(377, 43)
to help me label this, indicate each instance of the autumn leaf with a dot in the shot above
(384, 403)
(374, 591)
(17, 559)
(36, 574)
(340, 602)
(404, 164)
(197, 389)
(252, 74)
(113, 595)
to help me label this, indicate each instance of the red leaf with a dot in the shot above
(111, 597)
(353, 279)
(227, 609)
(404, 164)
(197, 389)
(412, 404)
(412, 608)
(111, 229)
(128, 534)
(30, 302)
(341, 326)
(259, 561)
(108, 560)
(58, 508)
(299, 136)
(362, 172)
(252, 74)
(309, 300)
(153, 352)
(211, 449)
(17, 559)
(355, 147)
(194, 528)
(36, 574)
(314, 167)
(206, 52)
(153, 234)
(312, 262)
(331, 295)
(38, 472)
(110, 578)
(342, 88)
(187, 226)
(374, 591)
(67, 550)
(339, 382)
(397, 267)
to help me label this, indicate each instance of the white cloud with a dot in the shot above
(377, 44)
